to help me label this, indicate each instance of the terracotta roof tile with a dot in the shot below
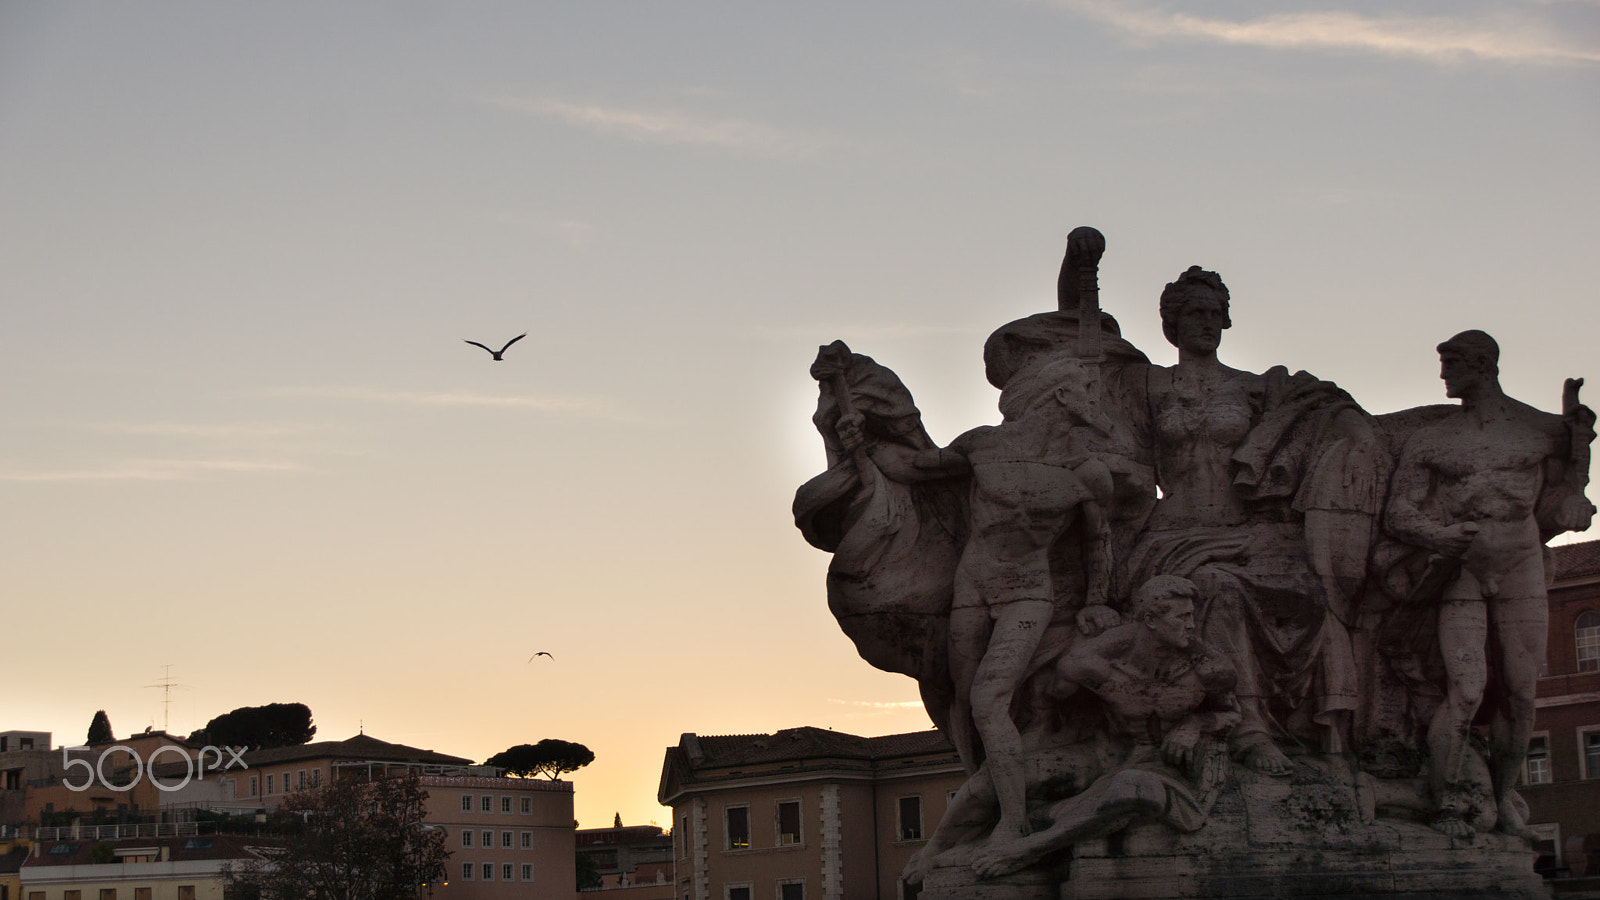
(812, 743)
(361, 746)
(1577, 560)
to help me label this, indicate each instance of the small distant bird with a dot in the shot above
(539, 654)
(497, 353)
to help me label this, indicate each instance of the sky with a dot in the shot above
(245, 450)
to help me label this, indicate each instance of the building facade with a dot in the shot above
(804, 814)
(1562, 779)
(508, 837)
(109, 782)
(631, 856)
(160, 868)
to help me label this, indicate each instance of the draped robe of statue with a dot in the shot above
(1270, 507)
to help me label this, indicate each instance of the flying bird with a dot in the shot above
(539, 654)
(497, 353)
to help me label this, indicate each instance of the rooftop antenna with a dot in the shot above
(166, 684)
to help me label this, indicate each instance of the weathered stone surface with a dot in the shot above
(1203, 632)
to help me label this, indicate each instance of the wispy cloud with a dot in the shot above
(886, 706)
(573, 232)
(1501, 38)
(151, 470)
(572, 406)
(669, 126)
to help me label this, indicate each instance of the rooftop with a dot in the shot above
(810, 747)
(1577, 560)
(808, 743)
(361, 747)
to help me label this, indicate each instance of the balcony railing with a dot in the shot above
(113, 832)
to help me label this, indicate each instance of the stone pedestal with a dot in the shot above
(1304, 836)
(952, 882)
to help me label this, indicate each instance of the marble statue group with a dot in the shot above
(1149, 586)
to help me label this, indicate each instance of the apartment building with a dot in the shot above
(267, 777)
(151, 868)
(639, 857)
(106, 782)
(508, 837)
(1562, 779)
(24, 759)
(803, 814)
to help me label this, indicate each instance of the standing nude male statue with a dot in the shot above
(1473, 489)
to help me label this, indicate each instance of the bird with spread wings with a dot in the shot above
(497, 354)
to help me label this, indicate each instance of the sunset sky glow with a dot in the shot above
(241, 246)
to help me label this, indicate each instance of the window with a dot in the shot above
(505, 840)
(486, 803)
(1547, 841)
(911, 818)
(269, 784)
(505, 804)
(141, 893)
(108, 894)
(683, 829)
(792, 890)
(72, 895)
(737, 819)
(185, 892)
(527, 872)
(527, 805)
(505, 871)
(316, 778)
(300, 780)
(252, 785)
(488, 839)
(466, 803)
(1588, 642)
(738, 892)
(1591, 753)
(466, 871)
(527, 840)
(466, 837)
(788, 822)
(1538, 768)
(488, 871)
